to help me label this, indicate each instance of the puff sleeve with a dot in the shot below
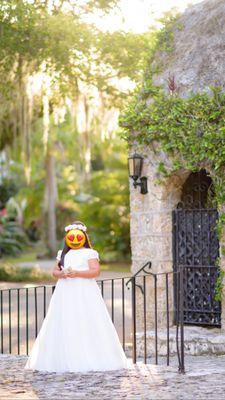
(93, 254)
(58, 257)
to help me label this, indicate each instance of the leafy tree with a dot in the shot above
(51, 56)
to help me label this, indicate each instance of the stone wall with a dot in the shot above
(151, 236)
(198, 57)
(151, 231)
(195, 62)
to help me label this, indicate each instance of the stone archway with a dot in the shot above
(152, 227)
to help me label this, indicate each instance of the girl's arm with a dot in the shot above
(93, 272)
(58, 273)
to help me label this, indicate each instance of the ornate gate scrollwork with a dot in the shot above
(195, 249)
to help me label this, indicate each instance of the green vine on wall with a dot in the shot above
(190, 130)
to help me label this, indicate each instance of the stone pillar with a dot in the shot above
(151, 236)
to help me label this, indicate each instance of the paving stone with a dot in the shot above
(204, 379)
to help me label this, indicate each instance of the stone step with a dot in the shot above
(197, 341)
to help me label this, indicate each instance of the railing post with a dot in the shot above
(10, 322)
(44, 302)
(145, 322)
(18, 321)
(156, 319)
(181, 367)
(2, 349)
(123, 313)
(133, 294)
(167, 322)
(102, 288)
(27, 322)
(35, 311)
(112, 299)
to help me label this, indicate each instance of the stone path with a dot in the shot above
(204, 379)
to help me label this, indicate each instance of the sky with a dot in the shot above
(138, 15)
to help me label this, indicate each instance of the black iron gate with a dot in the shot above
(195, 250)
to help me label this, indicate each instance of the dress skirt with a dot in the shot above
(77, 334)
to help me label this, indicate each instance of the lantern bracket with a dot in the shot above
(143, 184)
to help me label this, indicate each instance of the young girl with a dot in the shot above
(77, 334)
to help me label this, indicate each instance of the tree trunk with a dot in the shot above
(50, 180)
(50, 203)
(87, 141)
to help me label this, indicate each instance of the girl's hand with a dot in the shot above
(63, 274)
(72, 274)
(58, 273)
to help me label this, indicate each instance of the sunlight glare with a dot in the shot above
(137, 15)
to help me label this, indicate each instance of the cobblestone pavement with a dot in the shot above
(204, 379)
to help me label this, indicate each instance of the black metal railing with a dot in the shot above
(166, 311)
(140, 307)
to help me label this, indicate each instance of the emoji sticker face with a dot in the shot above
(75, 238)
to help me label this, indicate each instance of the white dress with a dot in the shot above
(77, 334)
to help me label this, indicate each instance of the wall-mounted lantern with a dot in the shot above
(135, 163)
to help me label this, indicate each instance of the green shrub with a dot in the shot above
(12, 237)
(8, 188)
(11, 273)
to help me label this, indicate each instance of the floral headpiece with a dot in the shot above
(75, 226)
